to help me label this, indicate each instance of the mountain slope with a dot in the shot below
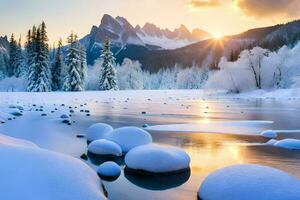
(124, 36)
(211, 50)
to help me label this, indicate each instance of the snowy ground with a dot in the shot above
(211, 111)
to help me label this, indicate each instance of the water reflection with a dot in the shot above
(208, 152)
(98, 160)
(158, 182)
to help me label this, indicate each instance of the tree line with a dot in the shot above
(67, 71)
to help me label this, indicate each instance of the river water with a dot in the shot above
(208, 151)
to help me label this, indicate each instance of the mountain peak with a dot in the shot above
(152, 30)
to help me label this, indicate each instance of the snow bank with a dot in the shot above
(269, 134)
(98, 131)
(105, 148)
(249, 182)
(33, 174)
(6, 140)
(288, 144)
(109, 169)
(130, 137)
(225, 127)
(157, 159)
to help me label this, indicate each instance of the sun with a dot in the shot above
(217, 36)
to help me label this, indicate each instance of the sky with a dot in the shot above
(219, 17)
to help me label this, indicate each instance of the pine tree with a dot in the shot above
(12, 56)
(39, 77)
(73, 80)
(108, 79)
(19, 69)
(57, 68)
(83, 65)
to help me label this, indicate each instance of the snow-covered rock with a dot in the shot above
(64, 116)
(98, 131)
(130, 137)
(288, 144)
(104, 147)
(109, 169)
(271, 142)
(269, 134)
(15, 112)
(249, 182)
(31, 173)
(157, 159)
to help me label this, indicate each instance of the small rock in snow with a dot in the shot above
(104, 147)
(15, 112)
(271, 142)
(109, 169)
(64, 116)
(130, 137)
(84, 157)
(269, 134)
(98, 131)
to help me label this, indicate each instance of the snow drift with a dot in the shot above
(249, 182)
(30, 173)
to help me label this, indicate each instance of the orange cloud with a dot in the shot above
(204, 3)
(269, 8)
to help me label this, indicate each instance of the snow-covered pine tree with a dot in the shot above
(19, 69)
(83, 64)
(13, 46)
(57, 68)
(39, 76)
(73, 80)
(108, 79)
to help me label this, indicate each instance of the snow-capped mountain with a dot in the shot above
(122, 33)
(128, 40)
(118, 30)
(166, 39)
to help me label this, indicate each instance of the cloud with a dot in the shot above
(269, 8)
(204, 3)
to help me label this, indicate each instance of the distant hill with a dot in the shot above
(211, 50)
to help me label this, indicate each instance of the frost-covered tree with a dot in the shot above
(74, 77)
(13, 48)
(4, 61)
(39, 76)
(168, 78)
(192, 78)
(108, 77)
(130, 75)
(83, 65)
(57, 67)
(255, 57)
(20, 67)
